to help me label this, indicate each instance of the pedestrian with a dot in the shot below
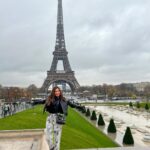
(55, 105)
(6, 109)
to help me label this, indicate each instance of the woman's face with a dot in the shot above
(57, 92)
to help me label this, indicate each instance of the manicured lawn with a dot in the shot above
(76, 133)
(28, 119)
(105, 103)
(115, 103)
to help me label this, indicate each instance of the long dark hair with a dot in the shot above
(51, 97)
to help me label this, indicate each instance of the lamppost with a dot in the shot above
(8, 97)
(16, 94)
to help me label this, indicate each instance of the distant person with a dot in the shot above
(6, 109)
(9, 109)
(55, 104)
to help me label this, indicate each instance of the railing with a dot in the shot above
(10, 109)
(60, 71)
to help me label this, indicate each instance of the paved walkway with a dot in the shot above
(136, 145)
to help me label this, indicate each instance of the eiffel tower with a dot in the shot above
(54, 76)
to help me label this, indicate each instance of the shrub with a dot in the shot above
(83, 109)
(79, 107)
(111, 127)
(128, 138)
(88, 113)
(138, 105)
(101, 120)
(146, 106)
(93, 116)
(130, 104)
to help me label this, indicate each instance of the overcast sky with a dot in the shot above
(108, 40)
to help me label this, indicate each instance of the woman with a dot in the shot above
(54, 104)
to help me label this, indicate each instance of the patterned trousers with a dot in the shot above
(53, 132)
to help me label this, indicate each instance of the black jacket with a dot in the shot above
(54, 106)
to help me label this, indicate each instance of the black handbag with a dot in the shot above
(60, 118)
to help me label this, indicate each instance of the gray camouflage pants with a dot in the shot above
(53, 132)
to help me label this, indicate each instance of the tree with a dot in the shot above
(111, 91)
(125, 90)
(1, 91)
(128, 138)
(147, 92)
(93, 116)
(101, 120)
(88, 113)
(33, 90)
(111, 127)
(133, 96)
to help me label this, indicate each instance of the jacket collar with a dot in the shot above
(57, 97)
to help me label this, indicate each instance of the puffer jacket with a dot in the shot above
(54, 106)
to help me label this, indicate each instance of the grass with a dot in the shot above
(116, 103)
(28, 119)
(105, 103)
(79, 133)
(76, 133)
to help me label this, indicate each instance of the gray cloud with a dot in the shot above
(107, 41)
